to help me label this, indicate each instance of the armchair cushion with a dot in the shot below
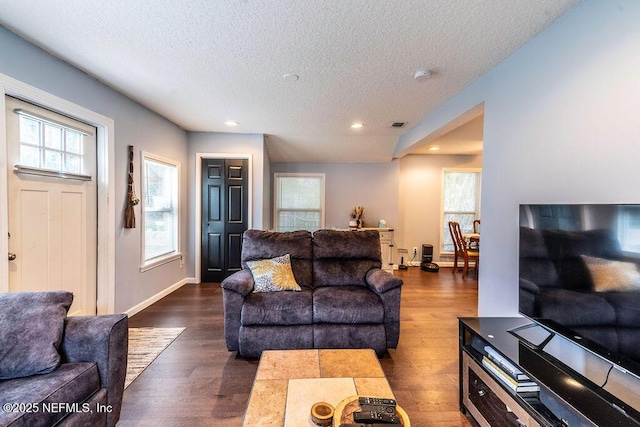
(71, 383)
(344, 258)
(31, 326)
(277, 308)
(347, 304)
(273, 274)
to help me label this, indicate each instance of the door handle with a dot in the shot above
(12, 256)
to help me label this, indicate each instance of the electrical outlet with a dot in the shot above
(415, 250)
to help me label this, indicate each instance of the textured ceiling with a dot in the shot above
(202, 62)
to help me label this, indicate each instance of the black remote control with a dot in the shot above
(372, 425)
(378, 408)
(378, 401)
(372, 417)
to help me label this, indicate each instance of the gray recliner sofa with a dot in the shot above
(347, 300)
(59, 370)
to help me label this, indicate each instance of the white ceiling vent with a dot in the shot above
(398, 124)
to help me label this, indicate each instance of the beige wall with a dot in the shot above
(420, 199)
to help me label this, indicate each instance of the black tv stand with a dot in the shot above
(559, 397)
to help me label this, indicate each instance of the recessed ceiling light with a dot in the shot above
(434, 148)
(290, 77)
(231, 123)
(357, 125)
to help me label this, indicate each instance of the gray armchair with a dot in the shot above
(76, 376)
(346, 300)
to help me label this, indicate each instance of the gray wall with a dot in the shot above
(373, 185)
(561, 126)
(134, 125)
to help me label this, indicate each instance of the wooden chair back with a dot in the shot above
(462, 250)
(459, 244)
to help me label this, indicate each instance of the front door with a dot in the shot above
(51, 163)
(224, 216)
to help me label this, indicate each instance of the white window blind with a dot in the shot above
(299, 202)
(460, 202)
(160, 213)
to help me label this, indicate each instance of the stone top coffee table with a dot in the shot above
(289, 382)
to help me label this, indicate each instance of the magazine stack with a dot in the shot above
(506, 372)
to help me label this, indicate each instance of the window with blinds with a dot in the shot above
(460, 202)
(160, 213)
(299, 201)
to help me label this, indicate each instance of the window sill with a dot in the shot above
(159, 262)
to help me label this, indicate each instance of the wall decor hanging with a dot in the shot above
(132, 199)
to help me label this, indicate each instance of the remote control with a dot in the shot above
(378, 408)
(372, 425)
(371, 417)
(376, 401)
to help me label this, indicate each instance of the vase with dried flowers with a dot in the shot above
(356, 217)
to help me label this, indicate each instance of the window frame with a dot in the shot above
(43, 147)
(444, 230)
(175, 253)
(276, 208)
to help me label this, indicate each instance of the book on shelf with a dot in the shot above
(513, 384)
(508, 367)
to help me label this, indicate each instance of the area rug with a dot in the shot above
(145, 344)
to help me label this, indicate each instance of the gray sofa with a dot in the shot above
(346, 301)
(555, 284)
(59, 370)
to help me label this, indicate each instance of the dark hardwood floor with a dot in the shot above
(197, 382)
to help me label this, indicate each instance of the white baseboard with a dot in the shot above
(157, 297)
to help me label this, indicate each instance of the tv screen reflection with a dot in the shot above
(579, 274)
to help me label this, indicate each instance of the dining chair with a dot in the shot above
(474, 243)
(462, 249)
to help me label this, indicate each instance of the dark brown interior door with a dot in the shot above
(225, 211)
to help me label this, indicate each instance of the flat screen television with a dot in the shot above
(579, 275)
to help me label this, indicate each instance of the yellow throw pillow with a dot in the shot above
(273, 275)
(612, 276)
